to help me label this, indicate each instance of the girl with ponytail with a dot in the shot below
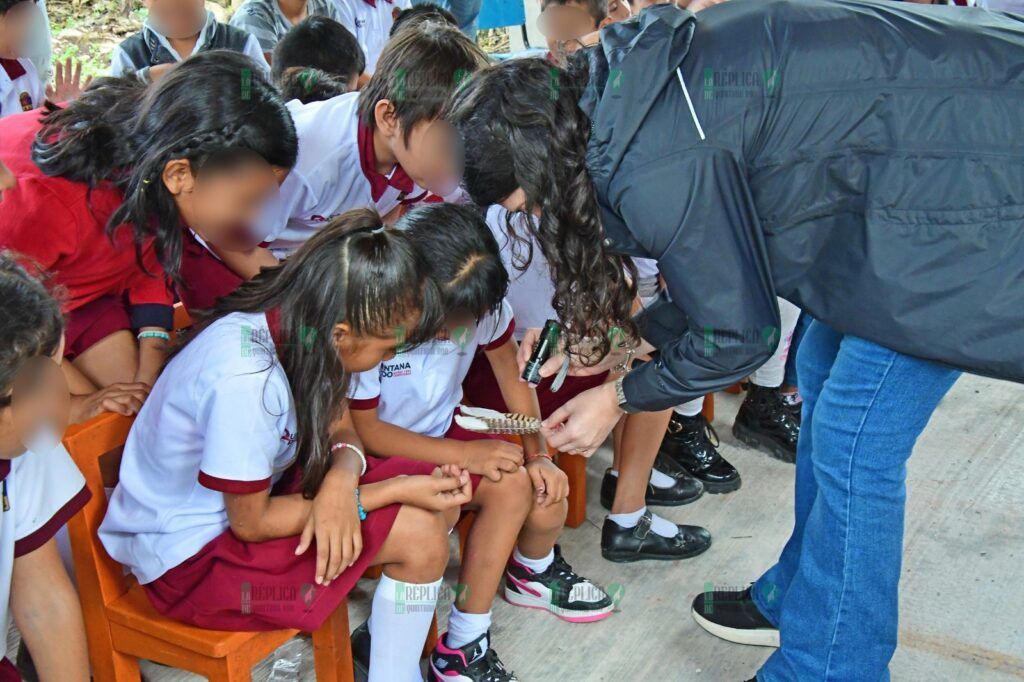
(244, 456)
(109, 185)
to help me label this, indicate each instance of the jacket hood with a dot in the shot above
(630, 68)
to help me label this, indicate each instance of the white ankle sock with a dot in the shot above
(463, 628)
(690, 409)
(662, 527)
(535, 565)
(658, 479)
(397, 633)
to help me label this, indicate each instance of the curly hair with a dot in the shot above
(521, 127)
(33, 324)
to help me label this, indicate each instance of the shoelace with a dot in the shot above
(496, 669)
(564, 572)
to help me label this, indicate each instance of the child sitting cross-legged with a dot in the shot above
(406, 409)
(244, 456)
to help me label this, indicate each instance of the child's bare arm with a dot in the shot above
(248, 262)
(518, 395)
(485, 457)
(46, 610)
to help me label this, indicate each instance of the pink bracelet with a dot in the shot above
(353, 448)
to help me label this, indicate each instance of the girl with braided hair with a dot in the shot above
(107, 185)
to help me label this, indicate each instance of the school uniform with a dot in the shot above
(149, 47)
(335, 172)
(370, 22)
(41, 491)
(530, 293)
(421, 390)
(21, 88)
(221, 419)
(60, 226)
(265, 20)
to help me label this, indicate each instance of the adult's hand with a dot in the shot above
(67, 83)
(582, 424)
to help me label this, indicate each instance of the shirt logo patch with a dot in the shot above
(360, 23)
(288, 437)
(395, 369)
(26, 101)
(317, 218)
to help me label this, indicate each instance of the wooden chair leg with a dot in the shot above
(575, 467)
(735, 389)
(332, 648)
(373, 572)
(709, 407)
(122, 668)
(431, 642)
(231, 669)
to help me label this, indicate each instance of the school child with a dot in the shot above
(633, 483)
(420, 13)
(208, 145)
(244, 456)
(21, 88)
(371, 21)
(270, 20)
(376, 148)
(320, 43)
(42, 487)
(569, 25)
(405, 410)
(176, 30)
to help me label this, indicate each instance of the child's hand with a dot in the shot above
(67, 83)
(334, 522)
(550, 483)
(491, 458)
(124, 399)
(447, 487)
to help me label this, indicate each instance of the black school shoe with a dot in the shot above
(640, 543)
(690, 446)
(733, 616)
(361, 649)
(685, 490)
(766, 424)
(475, 662)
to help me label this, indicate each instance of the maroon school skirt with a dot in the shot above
(93, 322)
(248, 586)
(480, 388)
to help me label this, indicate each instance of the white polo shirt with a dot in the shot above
(42, 492)
(220, 419)
(21, 89)
(334, 173)
(370, 21)
(420, 390)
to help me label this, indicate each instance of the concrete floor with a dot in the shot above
(962, 599)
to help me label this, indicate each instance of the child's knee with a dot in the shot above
(549, 518)
(516, 490)
(426, 535)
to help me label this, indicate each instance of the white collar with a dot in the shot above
(204, 36)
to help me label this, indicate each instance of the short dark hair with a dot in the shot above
(6, 5)
(321, 43)
(420, 14)
(418, 71)
(310, 85)
(461, 256)
(32, 325)
(598, 9)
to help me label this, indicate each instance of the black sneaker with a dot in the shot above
(475, 662)
(685, 490)
(733, 616)
(361, 649)
(764, 423)
(794, 405)
(558, 590)
(689, 446)
(640, 543)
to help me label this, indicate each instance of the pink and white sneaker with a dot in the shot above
(558, 590)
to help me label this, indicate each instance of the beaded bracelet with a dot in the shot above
(154, 335)
(359, 507)
(353, 448)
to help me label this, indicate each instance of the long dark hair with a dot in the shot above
(213, 108)
(355, 271)
(521, 127)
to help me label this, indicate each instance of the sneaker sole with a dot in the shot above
(531, 602)
(762, 637)
(630, 557)
(763, 444)
(441, 677)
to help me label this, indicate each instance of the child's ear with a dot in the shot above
(178, 177)
(384, 116)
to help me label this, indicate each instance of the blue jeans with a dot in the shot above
(466, 13)
(794, 347)
(834, 592)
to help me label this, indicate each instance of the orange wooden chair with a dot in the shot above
(182, 320)
(121, 624)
